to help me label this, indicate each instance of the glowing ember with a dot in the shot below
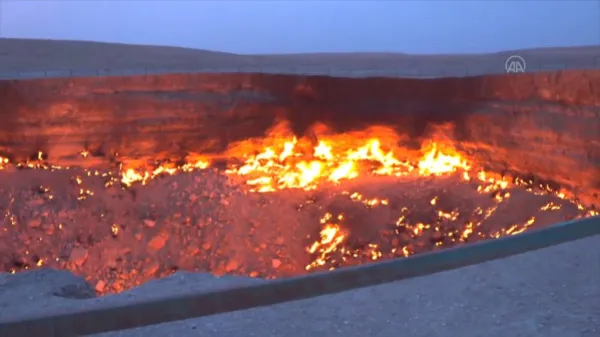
(3, 162)
(133, 175)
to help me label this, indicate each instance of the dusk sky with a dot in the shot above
(416, 27)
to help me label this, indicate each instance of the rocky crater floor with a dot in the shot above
(118, 238)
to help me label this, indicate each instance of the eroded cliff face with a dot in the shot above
(542, 124)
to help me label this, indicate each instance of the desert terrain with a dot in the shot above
(280, 205)
(33, 58)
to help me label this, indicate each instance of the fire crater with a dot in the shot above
(283, 205)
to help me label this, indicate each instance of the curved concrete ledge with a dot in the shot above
(97, 318)
(541, 124)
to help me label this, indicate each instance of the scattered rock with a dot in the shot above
(276, 263)
(158, 242)
(437, 236)
(192, 250)
(232, 265)
(78, 256)
(151, 268)
(100, 286)
(37, 202)
(149, 223)
(34, 223)
(62, 214)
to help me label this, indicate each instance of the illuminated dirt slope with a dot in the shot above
(544, 124)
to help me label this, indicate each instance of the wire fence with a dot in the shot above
(401, 70)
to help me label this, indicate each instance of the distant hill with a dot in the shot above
(36, 54)
(33, 54)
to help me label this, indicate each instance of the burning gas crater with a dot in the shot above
(372, 198)
(286, 162)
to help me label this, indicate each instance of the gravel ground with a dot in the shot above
(206, 221)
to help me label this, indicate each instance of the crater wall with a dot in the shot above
(542, 124)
